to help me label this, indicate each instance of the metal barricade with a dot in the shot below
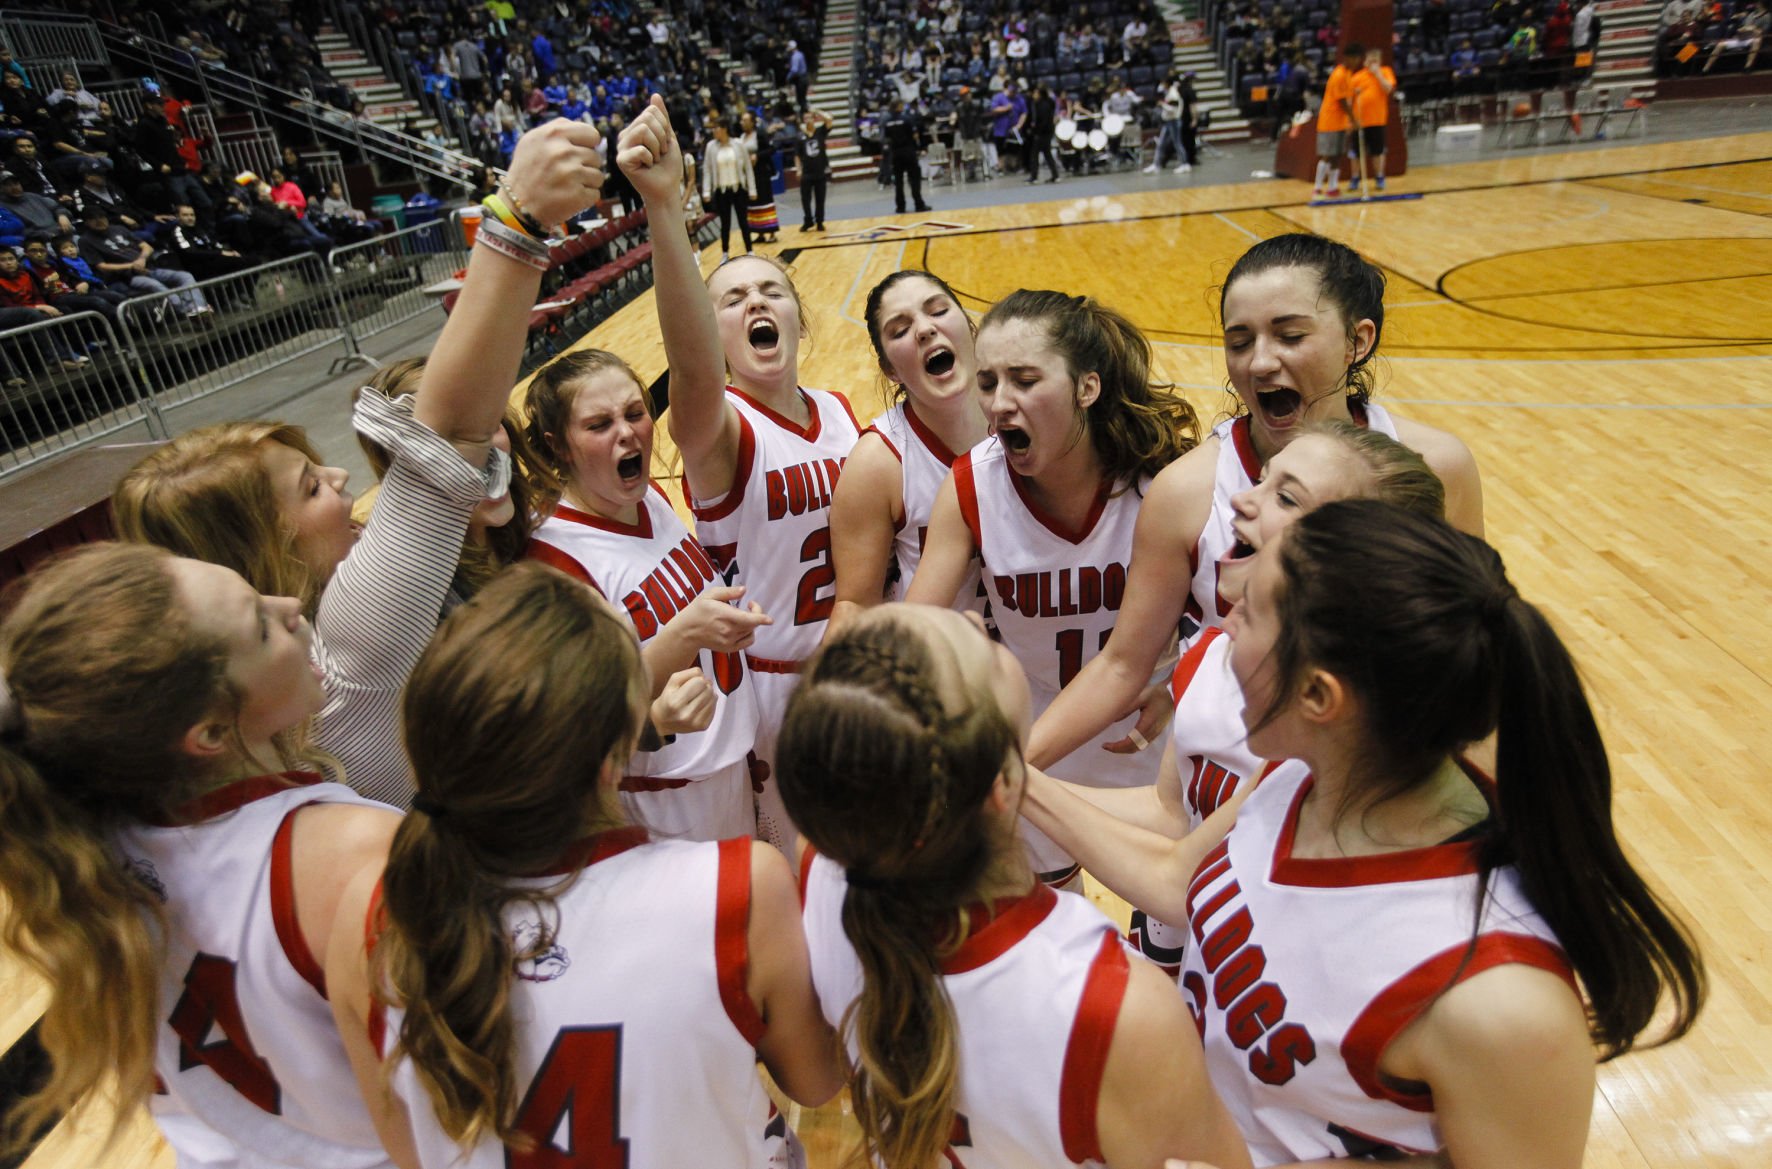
(382, 281)
(125, 98)
(46, 75)
(31, 36)
(190, 342)
(67, 382)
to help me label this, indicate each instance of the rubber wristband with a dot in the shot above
(503, 213)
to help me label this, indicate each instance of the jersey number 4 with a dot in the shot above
(809, 607)
(573, 1109)
(208, 1006)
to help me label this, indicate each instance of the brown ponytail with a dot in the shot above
(106, 676)
(526, 692)
(1137, 426)
(884, 779)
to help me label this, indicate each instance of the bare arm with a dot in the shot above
(865, 514)
(702, 424)
(1156, 1101)
(1157, 584)
(467, 381)
(1158, 808)
(948, 554)
(1449, 458)
(799, 1048)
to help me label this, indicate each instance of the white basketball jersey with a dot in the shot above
(925, 461)
(1036, 992)
(1056, 595)
(1239, 467)
(1302, 971)
(636, 1039)
(771, 532)
(651, 569)
(246, 1047)
(1211, 744)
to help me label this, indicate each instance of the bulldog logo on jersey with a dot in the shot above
(540, 958)
(143, 870)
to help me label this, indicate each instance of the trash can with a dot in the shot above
(390, 209)
(421, 210)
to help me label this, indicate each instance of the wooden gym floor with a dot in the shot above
(1598, 327)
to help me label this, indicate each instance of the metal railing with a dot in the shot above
(382, 281)
(256, 150)
(257, 320)
(33, 37)
(68, 382)
(46, 75)
(125, 98)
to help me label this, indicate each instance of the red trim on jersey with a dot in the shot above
(1085, 1055)
(809, 432)
(1398, 1005)
(808, 854)
(843, 399)
(741, 474)
(1008, 927)
(374, 921)
(1243, 441)
(1050, 522)
(1455, 859)
(1190, 663)
(930, 439)
(646, 783)
(641, 527)
(599, 847)
(232, 797)
(890, 445)
(283, 918)
(966, 491)
(546, 553)
(732, 955)
(773, 665)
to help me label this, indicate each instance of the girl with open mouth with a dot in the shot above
(761, 453)
(1302, 316)
(923, 341)
(1049, 502)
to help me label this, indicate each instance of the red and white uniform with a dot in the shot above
(1302, 972)
(1036, 992)
(925, 461)
(253, 1071)
(771, 533)
(1211, 743)
(1055, 596)
(650, 570)
(634, 1043)
(1238, 469)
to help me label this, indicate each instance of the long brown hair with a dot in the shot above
(505, 544)
(885, 778)
(1137, 426)
(549, 399)
(106, 674)
(1422, 623)
(525, 693)
(206, 495)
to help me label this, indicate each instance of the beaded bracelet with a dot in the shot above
(530, 223)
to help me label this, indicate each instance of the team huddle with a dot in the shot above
(618, 810)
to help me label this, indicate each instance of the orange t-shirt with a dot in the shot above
(1339, 88)
(1372, 105)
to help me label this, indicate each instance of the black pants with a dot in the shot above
(730, 201)
(1040, 146)
(1190, 141)
(903, 165)
(802, 84)
(812, 189)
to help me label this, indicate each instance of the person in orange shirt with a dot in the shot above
(1333, 121)
(1372, 88)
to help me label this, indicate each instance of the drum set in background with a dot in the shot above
(1091, 142)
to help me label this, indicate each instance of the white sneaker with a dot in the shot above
(1184, 168)
(1151, 169)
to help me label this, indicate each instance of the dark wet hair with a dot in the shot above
(878, 294)
(1353, 284)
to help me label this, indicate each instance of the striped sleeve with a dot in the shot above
(381, 607)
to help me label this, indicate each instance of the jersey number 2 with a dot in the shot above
(575, 1101)
(1070, 652)
(209, 1005)
(808, 605)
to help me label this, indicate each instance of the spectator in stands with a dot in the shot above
(1285, 29)
(1132, 36)
(1436, 25)
(799, 75)
(470, 67)
(1586, 31)
(77, 95)
(1748, 32)
(814, 152)
(199, 252)
(287, 199)
(1291, 102)
(1170, 109)
(1008, 108)
(10, 66)
(302, 175)
(508, 113)
(543, 49)
(1559, 29)
(158, 145)
(1036, 133)
(33, 175)
(21, 105)
(728, 183)
(1465, 70)
(69, 148)
(905, 139)
(70, 297)
(78, 274)
(38, 213)
(126, 264)
(97, 192)
(22, 303)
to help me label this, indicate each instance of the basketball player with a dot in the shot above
(171, 861)
(1433, 956)
(541, 1013)
(880, 518)
(992, 1023)
(761, 455)
(1048, 503)
(1303, 316)
(1137, 849)
(615, 530)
